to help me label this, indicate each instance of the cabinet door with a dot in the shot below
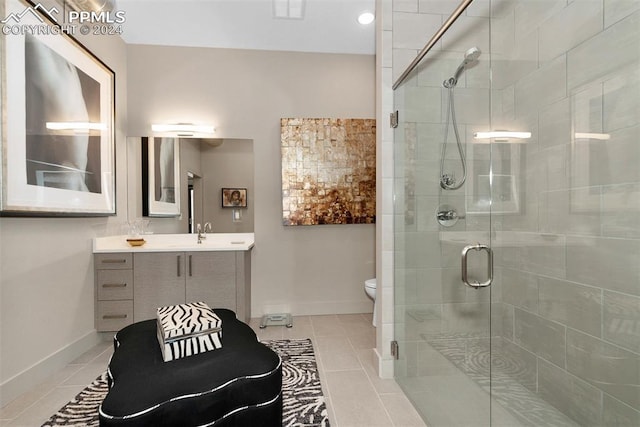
(211, 277)
(159, 280)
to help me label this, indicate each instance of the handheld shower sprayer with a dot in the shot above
(470, 58)
(448, 181)
(471, 55)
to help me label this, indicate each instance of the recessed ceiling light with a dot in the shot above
(366, 18)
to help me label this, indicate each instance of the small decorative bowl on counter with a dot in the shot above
(139, 241)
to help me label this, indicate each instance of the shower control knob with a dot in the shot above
(447, 216)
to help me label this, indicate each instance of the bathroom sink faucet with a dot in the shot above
(202, 231)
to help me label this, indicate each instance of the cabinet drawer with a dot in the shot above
(116, 261)
(114, 315)
(115, 284)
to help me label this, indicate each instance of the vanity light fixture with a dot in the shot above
(76, 127)
(503, 136)
(183, 129)
(366, 18)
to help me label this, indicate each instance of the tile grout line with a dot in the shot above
(364, 369)
(330, 411)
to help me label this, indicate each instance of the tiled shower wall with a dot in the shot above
(567, 291)
(567, 262)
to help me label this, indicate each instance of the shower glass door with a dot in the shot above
(442, 325)
(554, 340)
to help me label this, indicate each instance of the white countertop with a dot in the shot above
(176, 243)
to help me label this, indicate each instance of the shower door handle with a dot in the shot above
(465, 278)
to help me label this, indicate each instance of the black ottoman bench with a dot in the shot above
(239, 384)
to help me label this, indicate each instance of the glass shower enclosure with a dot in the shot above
(517, 217)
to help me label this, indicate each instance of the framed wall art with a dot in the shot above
(58, 137)
(234, 197)
(160, 177)
(328, 171)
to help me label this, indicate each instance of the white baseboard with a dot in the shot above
(385, 366)
(316, 308)
(45, 368)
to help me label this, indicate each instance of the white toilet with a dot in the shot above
(370, 289)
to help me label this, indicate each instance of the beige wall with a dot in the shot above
(228, 165)
(46, 269)
(244, 93)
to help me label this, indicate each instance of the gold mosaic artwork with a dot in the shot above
(328, 171)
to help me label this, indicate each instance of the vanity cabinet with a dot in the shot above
(220, 279)
(114, 291)
(131, 283)
(159, 280)
(212, 279)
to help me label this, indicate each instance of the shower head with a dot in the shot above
(470, 57)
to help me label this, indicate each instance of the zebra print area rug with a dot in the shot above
(302, 399)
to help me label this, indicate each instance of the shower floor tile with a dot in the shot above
(512, 404)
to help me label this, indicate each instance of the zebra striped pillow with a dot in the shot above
(187, 329)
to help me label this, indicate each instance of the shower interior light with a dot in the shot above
(598, 136)
(183, 129)
(76, 126)
(366, 18)
(502, 134)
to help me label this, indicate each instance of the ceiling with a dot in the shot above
(328, 26)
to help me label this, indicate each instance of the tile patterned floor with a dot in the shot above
(344, 352)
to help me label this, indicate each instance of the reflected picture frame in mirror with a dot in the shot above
(160, 177)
